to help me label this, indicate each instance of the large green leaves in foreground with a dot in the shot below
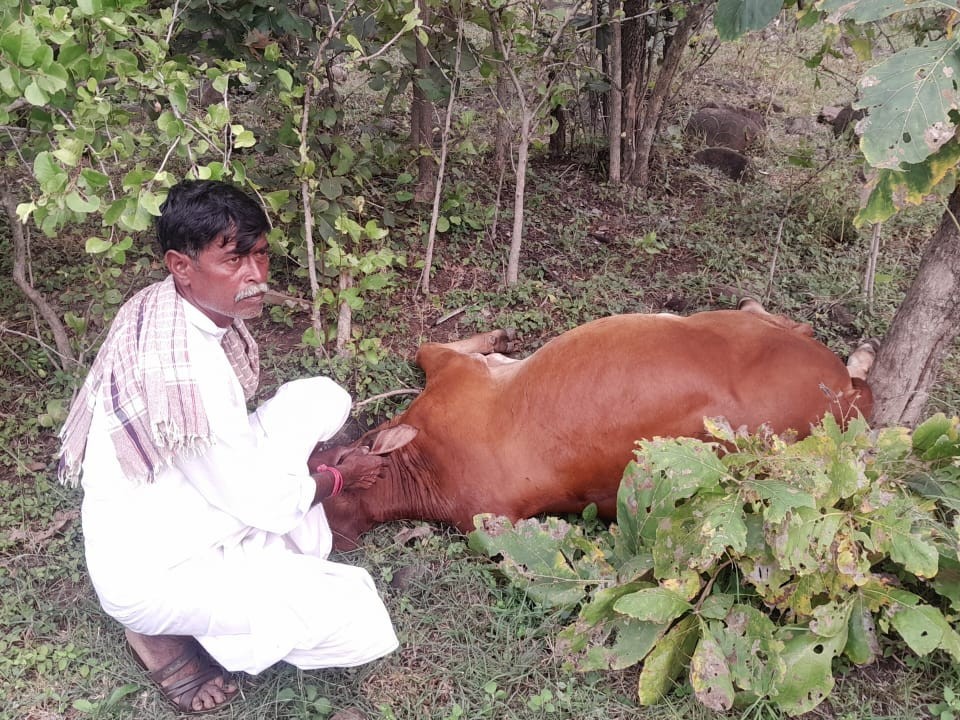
(752, 571)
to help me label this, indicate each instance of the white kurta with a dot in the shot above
(224, 546)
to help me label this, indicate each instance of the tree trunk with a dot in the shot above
(634, 63)
(516, 238)
(60, 338)
(674, 47)
(344, 316)
(421, 121)
(922, 331)
(616, 94)
(501, 153)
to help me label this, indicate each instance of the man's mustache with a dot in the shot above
(258, 289)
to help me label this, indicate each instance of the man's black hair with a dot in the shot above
(196, 212)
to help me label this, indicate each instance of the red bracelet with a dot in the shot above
(337, 478)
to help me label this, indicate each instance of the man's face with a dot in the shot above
(222, 284)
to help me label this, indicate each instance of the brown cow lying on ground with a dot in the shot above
(553, 432)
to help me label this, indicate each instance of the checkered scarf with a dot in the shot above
(151, 397)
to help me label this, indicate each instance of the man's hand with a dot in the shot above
(360, 469)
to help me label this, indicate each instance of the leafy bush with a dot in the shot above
(753, 569)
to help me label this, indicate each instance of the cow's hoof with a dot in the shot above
(504, 341)
(862, 359)
(751, 304)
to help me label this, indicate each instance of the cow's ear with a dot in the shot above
(392, 438)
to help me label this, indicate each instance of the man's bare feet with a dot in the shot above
(188, 677)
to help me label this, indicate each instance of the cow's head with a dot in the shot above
(357, 509)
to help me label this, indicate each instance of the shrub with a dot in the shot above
(754, 568)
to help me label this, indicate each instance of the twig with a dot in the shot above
(23, 362)
(390, 393)
(451, 314)
(773, 260)
(37, 340)
(444, 149)
(870, 274)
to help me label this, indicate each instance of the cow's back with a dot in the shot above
(564, 421)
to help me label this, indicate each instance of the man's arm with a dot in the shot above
(256, 468)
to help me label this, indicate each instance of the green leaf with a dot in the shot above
(808, 658)
(665, 472)
(656, 605)
(915, 554)
(112, 214)
(331, 187)
(8, 83)
(93, 179)
(734, 18)
(924, 629)
(633, 642)
(51, 177)
(667, 660)
(697, 533)
(68, 154)
(96, 245)
(242, 138)
(601, 607)
(931, 430)
(710, 674)
(803, 542)
(34, 95)
(909, 98)
(311, 339)
(150, 201)
(862, 646)
(177, 95)
(780, 498)
(896, 530)
(889, 191)
(90, 8)
(373, 231)
(747, 638)
(19, 44)
(533, 556)
(221, 83)
(277, 199)
(864, 11)
(285, 78)
(328, 117)
(54, 78)
(830, 618)
(947, 581)
(79, 204)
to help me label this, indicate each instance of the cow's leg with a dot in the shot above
(495, 341)
(752, 305)
(861, 360)
(496, 360)
(749, 304)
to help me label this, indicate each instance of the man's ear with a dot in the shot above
(179, 265)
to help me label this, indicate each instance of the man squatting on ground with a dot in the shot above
(204, 533)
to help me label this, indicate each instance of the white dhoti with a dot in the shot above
(266, 599)
(225, 546)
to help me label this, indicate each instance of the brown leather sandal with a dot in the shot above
(181, 693)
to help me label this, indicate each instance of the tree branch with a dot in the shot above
(60, 337)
